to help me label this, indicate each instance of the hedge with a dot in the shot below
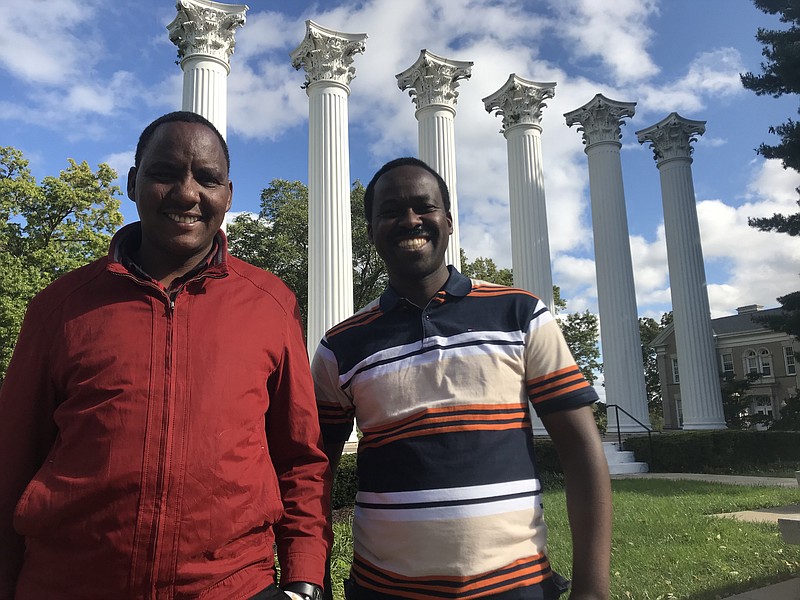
(727, 451)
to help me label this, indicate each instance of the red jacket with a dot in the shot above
(152, 448)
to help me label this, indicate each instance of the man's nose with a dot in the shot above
(186, 189)
(409, 218)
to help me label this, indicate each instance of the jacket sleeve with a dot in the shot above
(27, 432)
(303, 535)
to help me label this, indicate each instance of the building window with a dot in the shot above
(727, 363)
(750, 362)
(765, 362)
(760, 363)
(676, 378)
(788, 359)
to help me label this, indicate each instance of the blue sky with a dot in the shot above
(81, 78)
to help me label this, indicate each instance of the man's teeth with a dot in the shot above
(183, 218)
(412, 243)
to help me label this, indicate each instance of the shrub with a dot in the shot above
(726, 451)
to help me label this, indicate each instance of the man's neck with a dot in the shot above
(419, 292)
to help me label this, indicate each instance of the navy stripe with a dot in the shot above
(444, 503)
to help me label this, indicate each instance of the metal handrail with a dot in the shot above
(649, 431)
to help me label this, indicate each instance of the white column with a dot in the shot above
(203, 31)
(701, 397)
(432, 81)
(520, 103)
(327, 56)
(600, 121)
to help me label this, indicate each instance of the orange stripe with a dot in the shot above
(355, 321)
(558, 382)
(538, 399)
(487, 427)
(552, 374)
(479, 582)
(441, 410)
(450, 418)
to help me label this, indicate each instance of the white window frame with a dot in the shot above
(789, 360)
(726, 363)
(676, 376)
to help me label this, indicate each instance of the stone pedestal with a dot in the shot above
(327, 58)
(600, 121)
(701, 397)
(203, 31)
(520, 102)
(432, 81)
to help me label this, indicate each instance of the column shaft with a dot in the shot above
(330, 275)
(437, 147)
(530, 242)
(205, 90)
(616, 294)
(701, 396)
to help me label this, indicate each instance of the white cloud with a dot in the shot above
(616, 32)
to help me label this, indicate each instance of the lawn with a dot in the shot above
(666, 545)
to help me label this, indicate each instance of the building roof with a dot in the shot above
(743, 322)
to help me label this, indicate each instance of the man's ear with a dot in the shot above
(450, 222)
(230, 196)
(132, 183)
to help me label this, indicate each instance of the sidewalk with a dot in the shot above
(786, 590)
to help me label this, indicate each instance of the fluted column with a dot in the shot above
(520, 102)
(432, 82)
(327, 58)
(203, 31)
(701, 397)
(600, 120)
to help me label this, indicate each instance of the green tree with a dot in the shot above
(486, 270)
(736, 402)
(46, 230)
(582, 334)
(277, 240)
(780, 76)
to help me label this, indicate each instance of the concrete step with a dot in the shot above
(790, 529)
(622, 462)
(627, 468)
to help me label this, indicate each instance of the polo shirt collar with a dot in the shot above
(457, 285)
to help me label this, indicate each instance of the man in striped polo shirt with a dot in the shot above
(437, 373)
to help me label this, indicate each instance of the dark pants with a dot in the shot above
(273, 592)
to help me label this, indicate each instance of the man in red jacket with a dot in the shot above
(158, 430)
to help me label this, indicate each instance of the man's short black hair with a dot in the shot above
(369, 193)
(179, 116)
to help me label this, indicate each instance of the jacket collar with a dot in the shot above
(456, 286)
(129, 237)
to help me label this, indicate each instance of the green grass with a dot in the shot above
(666, 545)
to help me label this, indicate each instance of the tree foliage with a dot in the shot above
(780, 76)
(46, 230)
(277, 240)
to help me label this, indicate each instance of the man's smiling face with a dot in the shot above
(410, 226)
(182, 191)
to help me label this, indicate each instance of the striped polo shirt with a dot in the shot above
(449, 502)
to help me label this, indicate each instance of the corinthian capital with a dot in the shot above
(671, 137)
(600, 119)
(326, 54)
(519, 101)
(433, 79)
(205, 27)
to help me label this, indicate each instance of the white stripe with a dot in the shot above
(483, 343)
(448, 512)
(488, 491)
